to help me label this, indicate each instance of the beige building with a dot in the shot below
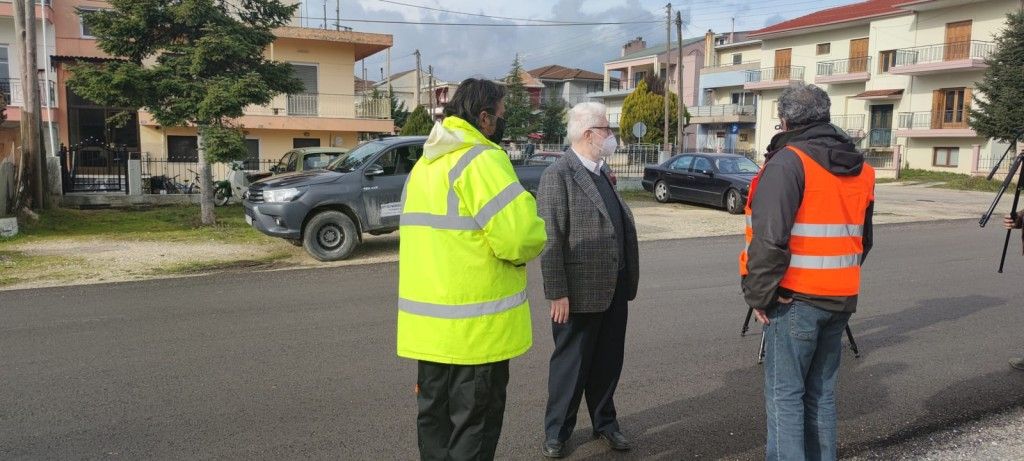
(901, 75)
(726, 117)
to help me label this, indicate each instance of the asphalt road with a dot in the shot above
(301, 364)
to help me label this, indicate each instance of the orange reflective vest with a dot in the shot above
(826, 241)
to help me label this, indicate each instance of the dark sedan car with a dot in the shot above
(713, 179)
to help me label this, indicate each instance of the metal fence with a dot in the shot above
(844, 66)
(944, 52)
(325, 105)
(769, 74)
(881, 161)
(162, 176)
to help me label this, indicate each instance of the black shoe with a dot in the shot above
(554, 449)
(614, 439)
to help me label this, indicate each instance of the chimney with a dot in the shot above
(709, 49)
(634, 45)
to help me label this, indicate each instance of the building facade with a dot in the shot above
(901, 76)
(329, 112)
(637, 61)
(726, 117)
(569, 85)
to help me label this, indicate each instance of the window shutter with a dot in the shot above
(938, 100)
(307, 75)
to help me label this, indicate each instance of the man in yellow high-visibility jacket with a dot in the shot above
(468, 228)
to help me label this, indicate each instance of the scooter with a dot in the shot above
(236, 184)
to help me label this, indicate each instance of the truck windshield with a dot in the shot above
(356, 157)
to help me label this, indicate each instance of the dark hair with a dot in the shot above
(473, 96)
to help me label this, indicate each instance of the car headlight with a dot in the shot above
(281, 195)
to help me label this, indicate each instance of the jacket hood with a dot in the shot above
(452, 135)
(828, 145)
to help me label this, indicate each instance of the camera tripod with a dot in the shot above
(1014, 168)
(760, 351)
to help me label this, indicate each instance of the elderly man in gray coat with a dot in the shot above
(591, 270)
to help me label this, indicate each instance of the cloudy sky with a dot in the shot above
(457, 52)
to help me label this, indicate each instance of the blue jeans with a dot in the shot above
(803, 344)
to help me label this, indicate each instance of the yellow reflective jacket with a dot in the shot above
(467, 230)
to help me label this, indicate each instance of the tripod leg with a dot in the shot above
(760, 351)
(853, 343)
(746, 323)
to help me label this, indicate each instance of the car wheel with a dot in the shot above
(734, 202)
(330, 236)
(661, 192)
(220, 198)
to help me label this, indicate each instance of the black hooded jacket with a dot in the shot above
(774, 208)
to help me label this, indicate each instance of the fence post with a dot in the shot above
(134, 176)
(975, 157)
(897, 154)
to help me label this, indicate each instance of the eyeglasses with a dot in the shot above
(600, 128)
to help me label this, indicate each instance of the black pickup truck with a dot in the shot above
(327, 211)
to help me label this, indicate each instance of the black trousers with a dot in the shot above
(461, 408)
(587, 360)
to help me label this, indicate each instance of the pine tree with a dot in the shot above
(552, 122)
(399, 113)
(519, 119)
(998, 112)
(418, 123)
(643, 105)
(199, 63)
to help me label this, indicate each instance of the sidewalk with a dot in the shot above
(895, 203)
(994, 437)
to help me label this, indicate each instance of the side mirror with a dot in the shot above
(708, 173)
(374, 170)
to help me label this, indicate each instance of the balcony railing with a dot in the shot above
(722, 110)
(849, 122)
(325, 105)
(14, 94)
(956, 51)
(927, 120)
(844, 66)
(770, 74)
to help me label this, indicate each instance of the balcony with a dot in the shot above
(880, 137)
(853, 125)
(853, 70)
(943, 124)
(943, 58)
(13, 93)
(730, 67)
(772, 78)
(323, 105)
(726, 113)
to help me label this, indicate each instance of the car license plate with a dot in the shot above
(248, 220)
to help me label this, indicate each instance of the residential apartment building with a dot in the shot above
(726, 117)
(571, 86)
(636, 62)
(329, 112)
(901, 75)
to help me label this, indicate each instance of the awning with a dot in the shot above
(880, 94)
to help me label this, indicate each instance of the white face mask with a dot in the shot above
(607, 147)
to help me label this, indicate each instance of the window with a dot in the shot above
(317, 161)
(954, 106)
(745, 98)
(886, 59)
(682, 163)
(946, 156)
(824, 48)
(702, 164)
(86, 31)
(737, 59)
(182, 149)
(736, 165)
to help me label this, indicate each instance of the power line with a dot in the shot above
(487, 24)
(473, 14)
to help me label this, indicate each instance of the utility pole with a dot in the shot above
(430, 84)
(25, 43)
(416, 92)
(337, 15)
(668, 56)
(679, 83)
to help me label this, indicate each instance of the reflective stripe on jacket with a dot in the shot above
(826, 239)
(467, 229)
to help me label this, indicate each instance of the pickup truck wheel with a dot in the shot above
(661, 192)
(733, 202)
(330, 236)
